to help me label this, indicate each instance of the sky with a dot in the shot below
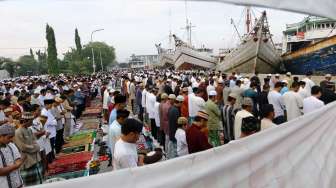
(131, 26)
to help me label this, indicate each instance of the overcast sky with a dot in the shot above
(131, 26)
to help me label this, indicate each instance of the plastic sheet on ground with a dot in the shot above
(300, 153)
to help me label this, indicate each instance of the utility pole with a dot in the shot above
(93, 58)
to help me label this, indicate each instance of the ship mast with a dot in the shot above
(188, 26)
(248, 19)
(170, 32)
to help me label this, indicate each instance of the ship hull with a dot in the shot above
(253, 56)
(319, 58)
(187, 59)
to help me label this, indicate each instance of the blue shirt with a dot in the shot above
(283, 90)
(113, 116)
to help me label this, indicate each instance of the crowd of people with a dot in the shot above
(37, 116)
(186, 112)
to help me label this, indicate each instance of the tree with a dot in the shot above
(26, 65)
(99, 48)
(42, 62)
(9, 65)
(31, 53)
(78, 42)
(52, 51)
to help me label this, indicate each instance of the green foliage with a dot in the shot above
(8, 65)
(78, 42)
(52, 51)
(107, 54)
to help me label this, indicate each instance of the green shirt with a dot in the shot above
(214, 115)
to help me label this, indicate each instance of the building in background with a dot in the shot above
(143, 61)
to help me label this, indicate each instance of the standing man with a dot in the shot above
(119, 104)
(184, 106)
(139, 101)
(219, 91)
(293, 102)
(309, 82)
(180, 136)
(151, 99)
(267, 117)
(245, 112)
(31, 170)
(327, 83)
(132, 94)
(313, 102)
(173, 115)
(115, 129)
(164, 125)
(229, 113)
(196, 139)
(50, 127)
(275, 98)
(211, 108)
(238, 92)
(125, 153)
(10, 159)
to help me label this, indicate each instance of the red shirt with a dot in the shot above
(196, 139)
(184, 107)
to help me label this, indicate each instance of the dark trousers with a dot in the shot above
(51, 155)
(162, 138)
(279, 120)
(141, 111)
(79, 110)
(153, 128)
(59, 140)
(132, 106)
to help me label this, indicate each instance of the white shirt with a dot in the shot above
(293, 104)
(266, 123)
(303, 93)
(2, 115)
(276, 100)
(105, 99)
(309, 85)
(238, 121)
(15, 177)
(150, 105)
(157, 113)
(311, 104)
(114, 134)
(196, 104)
(40, 98)
(182, 146)
(210, 88)
(125, 155)
(143, 98)
(51, 123)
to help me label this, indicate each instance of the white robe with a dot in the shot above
(293, 104)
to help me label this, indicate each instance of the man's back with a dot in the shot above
(311, 104)
(197, 141)
(125, 155)
(275, 99)
(293, 103)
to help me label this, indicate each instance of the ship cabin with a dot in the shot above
(310, 30)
